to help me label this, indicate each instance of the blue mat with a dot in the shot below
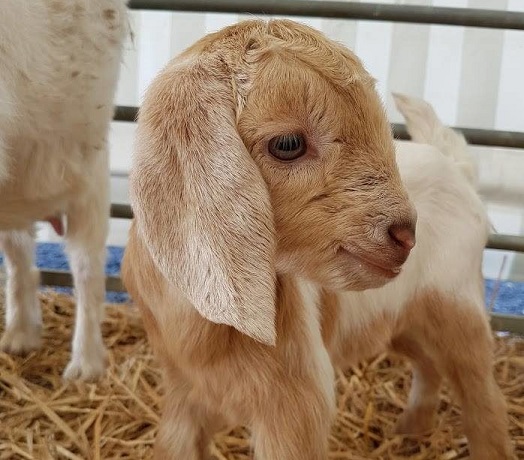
(510, 296)
(51, 256)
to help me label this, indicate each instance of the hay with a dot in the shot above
(41, 417)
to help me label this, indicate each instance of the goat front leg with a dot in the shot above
(87, 228)
(295, 421)
(23, 316)
(185, 429)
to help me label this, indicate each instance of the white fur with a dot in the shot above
(59, 65)
(424, 126)
(319, 355)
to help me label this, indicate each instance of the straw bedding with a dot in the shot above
(41, 417)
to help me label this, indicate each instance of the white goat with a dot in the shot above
(59, 66)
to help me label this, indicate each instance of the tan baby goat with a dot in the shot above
(266, 192)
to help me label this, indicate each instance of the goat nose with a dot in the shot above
(403, 235)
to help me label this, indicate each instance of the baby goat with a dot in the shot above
(59, 66)
(266, 192)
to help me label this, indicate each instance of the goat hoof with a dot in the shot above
(20, 340)
(86, 369)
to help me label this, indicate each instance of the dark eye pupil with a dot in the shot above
(288, 143)
(287, 147)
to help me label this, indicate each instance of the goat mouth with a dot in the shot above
(372, 265)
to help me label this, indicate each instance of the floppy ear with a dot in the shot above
(200, 203)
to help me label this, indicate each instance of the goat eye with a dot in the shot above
(287, 147)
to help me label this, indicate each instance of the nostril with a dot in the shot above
(403, 235)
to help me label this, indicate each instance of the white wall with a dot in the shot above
(473, 77)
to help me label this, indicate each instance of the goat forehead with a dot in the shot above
(300, 93)
(306, 65)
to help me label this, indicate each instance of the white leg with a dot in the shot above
(86, 235)
(23, 317)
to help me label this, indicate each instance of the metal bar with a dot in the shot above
(65, 279)
(499, 322)
(506, 242)
(507, 323)
(125, 113)
(119, 174)
(502, 242)
(488, 137)
(346, 10)
(507, 139)
(121, 211)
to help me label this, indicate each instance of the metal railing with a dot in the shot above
(501, 242)
(415, 14)
(488, 137)
(499, 322)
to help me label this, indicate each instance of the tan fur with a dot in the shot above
(236, 378)
(225, 236)
(441, 338)
(452, 339)
(350, 151)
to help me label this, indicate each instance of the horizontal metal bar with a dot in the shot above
(496, 241)
(506, 242)
(507, 139)
(119, 174)
(507, 323)
(499, 322)
(121, 211)
(125, 113)
(65, 279)
(488, 137)
(346, 10)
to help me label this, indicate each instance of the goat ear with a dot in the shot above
(200, 203)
